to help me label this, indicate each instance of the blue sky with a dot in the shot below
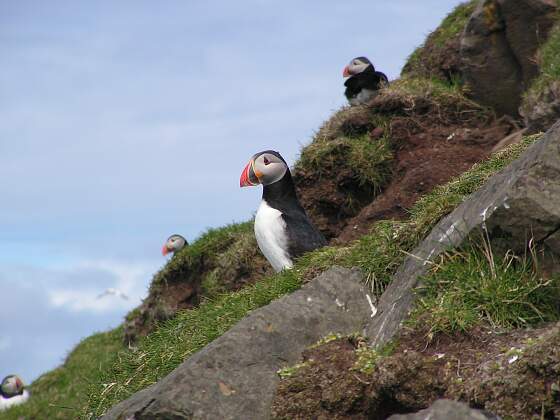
(124, 122)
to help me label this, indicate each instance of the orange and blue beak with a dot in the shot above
(249, 177)
(165, 250)
(346, 72)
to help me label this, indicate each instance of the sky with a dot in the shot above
(124, 122)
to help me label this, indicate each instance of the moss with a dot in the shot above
(289, 371)
(367, 357)
(60, 393)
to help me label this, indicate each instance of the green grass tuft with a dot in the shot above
(62, 392)
(546, 84)
(209, 245)
(369, 160)
(474, 286)
(378, 254)
(425, 57)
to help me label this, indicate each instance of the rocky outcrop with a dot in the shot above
(235, 376)
(519, 203)
(446, 410)
(498, 50)
(541, 108)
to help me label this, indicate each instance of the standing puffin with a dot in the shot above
(173, 244)
(282, 228)
(363, 81)
(12, 392)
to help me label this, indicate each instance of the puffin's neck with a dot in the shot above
(281, 194)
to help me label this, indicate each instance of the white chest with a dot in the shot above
(364, 96)
(9, 402)
(270, 231)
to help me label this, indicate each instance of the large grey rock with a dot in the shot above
(498, 49)
(446, 410)
(519, 203)
(235, 376)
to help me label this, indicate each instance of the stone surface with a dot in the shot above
(235, 376)
(446, 410)
(517, 204)
(498, 49)
(541, 108)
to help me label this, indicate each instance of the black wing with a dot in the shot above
(372, 80)
(302, 235)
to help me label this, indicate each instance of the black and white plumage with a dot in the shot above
(363, 81)
(173, 244)
(282, 228)
(12, 392)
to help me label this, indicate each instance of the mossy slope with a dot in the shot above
(62, 392)
(438, 57)
(220, 260)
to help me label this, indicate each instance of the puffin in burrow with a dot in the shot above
(173, 244)
(282, 228)
(12, 392)
(363, 81)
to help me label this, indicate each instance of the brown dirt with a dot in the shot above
(432, 146)
(181, 287)
(332, 192)
(514, 375)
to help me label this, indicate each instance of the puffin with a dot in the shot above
(173, 244)
(12, 392)
(363, 81)
(282, 228)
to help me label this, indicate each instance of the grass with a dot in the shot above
(420, 61)
(205, 250)
(378, 254)
(220, 260)
(369, 160)
(473, 286)
(546, 87)
(60, 393)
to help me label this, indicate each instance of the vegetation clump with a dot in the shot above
(220, 260)
(473, 287)
(438, 58)
(60, 393)
(541, 103)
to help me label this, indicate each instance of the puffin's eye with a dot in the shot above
(265, 160)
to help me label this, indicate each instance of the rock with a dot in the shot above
(519, 203)
(446, 410)
(513, 138)
(498, 50)
(541, 108)
(235, 376)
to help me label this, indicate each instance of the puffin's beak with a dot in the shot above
(164, 250)
(248, 177)
(19, 384)
(346, 72)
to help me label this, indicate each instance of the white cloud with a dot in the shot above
(131, 279)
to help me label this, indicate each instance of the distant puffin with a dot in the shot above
(12, 392)
(282, 228)
(173, 244)
(363, 81)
